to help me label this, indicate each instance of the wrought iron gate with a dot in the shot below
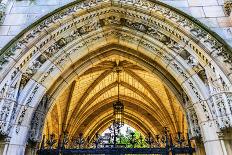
(119, 151)
(163, 145)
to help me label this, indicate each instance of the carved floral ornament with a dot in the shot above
(39, 48)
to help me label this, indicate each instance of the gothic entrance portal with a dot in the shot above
(59, 76)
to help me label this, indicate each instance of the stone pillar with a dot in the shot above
(228, 145)
(2, 145)
(31, 148)
(200, 149)
(213, 144)
(226, 138)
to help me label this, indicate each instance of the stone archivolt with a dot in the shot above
(71, 42)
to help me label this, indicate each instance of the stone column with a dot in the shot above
(2, 145)
(31, 148)
(213, 144)
(226, 138)
(200, 149)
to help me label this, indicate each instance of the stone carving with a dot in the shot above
(31, 70)
(185, 55)
(25, 108)
(47, 73)
(89, 27)
(221, 109)
(111, 21)
(202, 75)
(21, 117)
(195, 30)
(192, 61)
(8, 109)
(24, 79)
(179, 69)
(194, 128)
(148, 45)
(198, 32)
(164, 56)
(194, 89)
(228, 6)
(2, 12)
(38, 118)
(205, 109)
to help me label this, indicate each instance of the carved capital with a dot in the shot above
(228, 6)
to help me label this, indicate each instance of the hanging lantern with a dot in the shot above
(118, 105)
(118, 113)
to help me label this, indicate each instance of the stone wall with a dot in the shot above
(20, 14)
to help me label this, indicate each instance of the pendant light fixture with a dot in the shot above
(118, 105)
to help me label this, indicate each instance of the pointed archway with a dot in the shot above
(47, 57)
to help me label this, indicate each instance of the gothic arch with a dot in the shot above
(48, 55)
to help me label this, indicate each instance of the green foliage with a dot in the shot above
(132, 139)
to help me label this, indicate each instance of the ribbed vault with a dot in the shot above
(86, 105)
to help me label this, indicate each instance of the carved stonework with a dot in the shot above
(228, 6)
(25, 108)
(194, 128)
(221, 108)
(209, 41)
(2, 12)
(7, 112)
(37, 121)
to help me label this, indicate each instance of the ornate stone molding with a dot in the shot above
(228, 6)
(194, 128)
(221, 108)
(37, 121)
(195, 29)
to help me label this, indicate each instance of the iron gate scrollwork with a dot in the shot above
(161, 144)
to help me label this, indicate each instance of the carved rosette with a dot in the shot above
(37, 121)
(228, 6)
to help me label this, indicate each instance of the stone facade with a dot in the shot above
(47, 57)
(210, 12)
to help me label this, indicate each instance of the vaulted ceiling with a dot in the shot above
(86, 106)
